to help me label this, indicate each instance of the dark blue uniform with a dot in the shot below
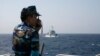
(25, 40)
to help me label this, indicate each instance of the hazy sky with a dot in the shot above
(67, 16)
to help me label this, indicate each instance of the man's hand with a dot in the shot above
(39, 24)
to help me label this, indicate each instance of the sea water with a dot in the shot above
(69, 44)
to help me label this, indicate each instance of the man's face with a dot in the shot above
(32, 20)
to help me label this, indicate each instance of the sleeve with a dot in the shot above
(16, 36)
(20, 34)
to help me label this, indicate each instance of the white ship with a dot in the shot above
(51, 33)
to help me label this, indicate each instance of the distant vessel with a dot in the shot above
(51, 33)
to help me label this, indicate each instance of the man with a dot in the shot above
(25, 35)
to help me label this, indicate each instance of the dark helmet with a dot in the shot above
(29, 11)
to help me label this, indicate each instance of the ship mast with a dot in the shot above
(52, 28)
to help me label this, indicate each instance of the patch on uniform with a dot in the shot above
(20, 33)
(30, 31)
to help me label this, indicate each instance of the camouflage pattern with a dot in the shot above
(25, 39)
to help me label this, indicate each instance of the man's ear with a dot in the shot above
(29, 17)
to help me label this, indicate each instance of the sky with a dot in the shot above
(66, 16)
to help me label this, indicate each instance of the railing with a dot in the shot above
(41, 49)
